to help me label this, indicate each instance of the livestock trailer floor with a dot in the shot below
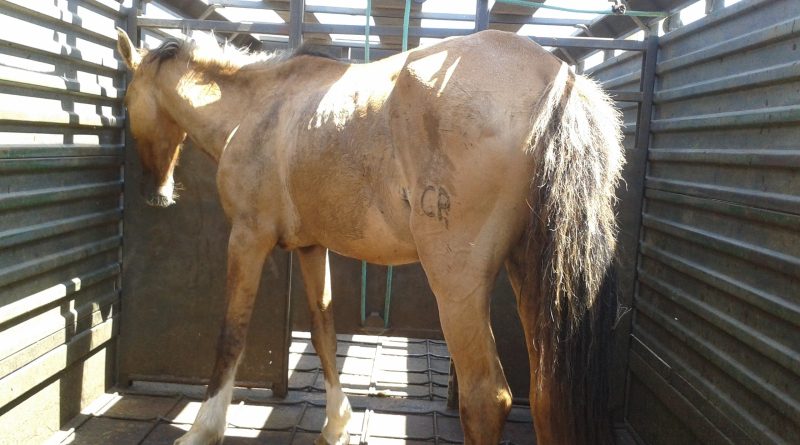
(397, 386)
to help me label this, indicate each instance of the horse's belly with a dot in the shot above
(378, 241)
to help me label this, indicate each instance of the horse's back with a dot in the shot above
(461, 115)
(435, 135)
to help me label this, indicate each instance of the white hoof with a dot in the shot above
(342, 439)
(199, 437)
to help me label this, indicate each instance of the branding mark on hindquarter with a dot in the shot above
(435, 203)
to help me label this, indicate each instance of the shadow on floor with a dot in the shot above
(397, 387)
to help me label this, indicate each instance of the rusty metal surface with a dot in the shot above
(61, 153)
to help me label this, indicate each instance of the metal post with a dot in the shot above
(406, 17)
(714, 5)
(296, 11)
(642, 146)
(481, 15)
(648, 81)
(368, 14)
(128, 189)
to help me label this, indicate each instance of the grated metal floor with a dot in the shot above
(397, 387)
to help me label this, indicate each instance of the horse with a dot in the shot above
(466, 155)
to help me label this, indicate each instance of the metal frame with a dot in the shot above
(296, 28)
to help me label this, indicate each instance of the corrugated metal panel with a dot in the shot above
(61, 156)
(715, 350)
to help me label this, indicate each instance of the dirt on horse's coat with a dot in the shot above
(465, 155)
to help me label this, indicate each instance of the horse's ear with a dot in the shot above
(130, 54)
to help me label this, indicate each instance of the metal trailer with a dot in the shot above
(709, 252)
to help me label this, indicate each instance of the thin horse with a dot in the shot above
(464, 156)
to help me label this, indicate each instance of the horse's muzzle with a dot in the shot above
(156, 200)
(156, 196)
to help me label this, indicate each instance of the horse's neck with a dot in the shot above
(204, 107)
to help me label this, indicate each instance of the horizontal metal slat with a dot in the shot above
(55, 361)
(33, 79)
(712, 20)
(774, 33)
(764, 200)
(771, 304)
(768, 217)
(739, 81)
(9, 37)
(317, 28)
(215, 25)
(60, 150)
(589, 42)
(597, 70)
(37, 134)
(59, 194)
(48, 229)
(778, 352)
(699, 413)
(728, 408)
(398, 14)
(72, 163)
(676, 401)
(732, 119)
(750, 157)
(739, 372)
(56, 293)
(59, 16)
(756, 254)
(626, 96)
(622, 80)
(114, 7)
(48, 331)
(9, 113)
(47, 263)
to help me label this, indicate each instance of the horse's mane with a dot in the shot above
(204, 51)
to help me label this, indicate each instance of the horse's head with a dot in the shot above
(158, 136)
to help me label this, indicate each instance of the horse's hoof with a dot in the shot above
(198, 438)
(343, 439)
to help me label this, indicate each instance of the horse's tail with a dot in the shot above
(576, 140)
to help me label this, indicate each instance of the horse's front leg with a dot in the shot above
(316, 277)
(247, 250)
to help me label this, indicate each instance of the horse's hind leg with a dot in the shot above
(247, 250)
(316, 277)
(541, 396)
(462, 283)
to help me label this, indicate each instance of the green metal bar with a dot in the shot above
(583, 11)
(368, 14)
(363, 291)
(406, 17)
(388, 300)
(390, 272)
